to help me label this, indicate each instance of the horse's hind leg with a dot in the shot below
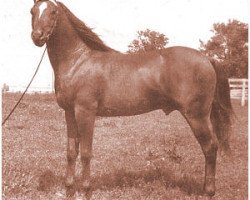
(72, 147)
(203, 131)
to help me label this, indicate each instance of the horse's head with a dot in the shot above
(44, 17)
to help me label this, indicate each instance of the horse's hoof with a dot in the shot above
(209, 190)
(69, 181)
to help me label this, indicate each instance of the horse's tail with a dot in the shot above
(221, 114)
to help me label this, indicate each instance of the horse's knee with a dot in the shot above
(212, 146)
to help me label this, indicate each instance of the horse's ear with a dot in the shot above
(54, 1)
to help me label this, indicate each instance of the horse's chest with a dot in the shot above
(63, 96)
(62, 100)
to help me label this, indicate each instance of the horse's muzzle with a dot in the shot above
(38, 38)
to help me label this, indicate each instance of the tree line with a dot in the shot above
(228, 46)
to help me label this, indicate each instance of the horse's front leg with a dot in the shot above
(85, 117)
(72, 147)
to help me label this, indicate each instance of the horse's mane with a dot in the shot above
(85, 33)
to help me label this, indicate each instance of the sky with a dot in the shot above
(184, 22)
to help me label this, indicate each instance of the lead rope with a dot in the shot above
(13, 109)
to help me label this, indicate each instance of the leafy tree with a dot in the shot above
(229, 46)
(148, 40)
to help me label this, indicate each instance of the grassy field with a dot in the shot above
(151, 156)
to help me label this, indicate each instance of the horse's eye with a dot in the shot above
(53, 12)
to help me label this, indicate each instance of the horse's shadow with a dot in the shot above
(122, 178)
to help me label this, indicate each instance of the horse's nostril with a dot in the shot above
(37, 34)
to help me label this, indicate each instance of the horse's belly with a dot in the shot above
(125, 105)
(125, 108)
(131, 95)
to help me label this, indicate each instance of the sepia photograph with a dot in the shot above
(124, 99)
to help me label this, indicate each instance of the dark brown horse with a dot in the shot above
(92, 80)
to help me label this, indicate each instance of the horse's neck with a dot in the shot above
(65, 46)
